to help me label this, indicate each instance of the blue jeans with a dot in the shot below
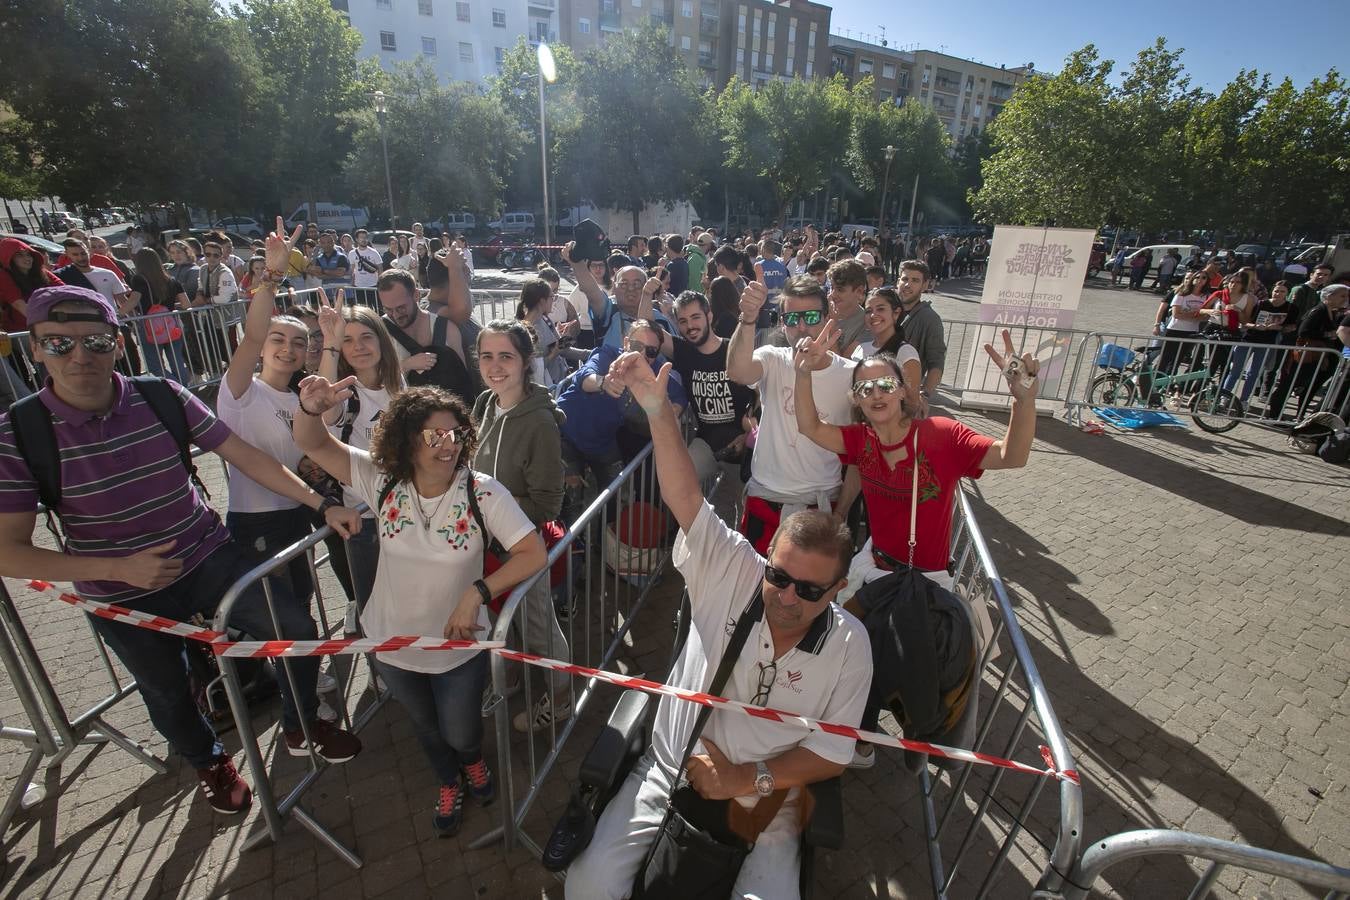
(363, 557)
(446, 712)
(1255, 358)
(262, 535)
(159, 664)
(176, 354)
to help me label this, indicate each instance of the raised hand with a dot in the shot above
(631, 371)
(331, 321)
(1020, 371)
(812, 354)
(753, 299)
(318, 394)
(278, 247)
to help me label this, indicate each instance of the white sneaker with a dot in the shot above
(863, 760)
(327, 684)
(351, 625)
(326, 712)
(543, 715)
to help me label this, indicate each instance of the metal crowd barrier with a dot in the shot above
(1054, 347)
(1216, 381)
(1220, 854)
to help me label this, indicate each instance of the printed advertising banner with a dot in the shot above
(1032, 287)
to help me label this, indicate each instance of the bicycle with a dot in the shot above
(1131, 373)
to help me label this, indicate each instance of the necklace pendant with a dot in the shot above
(426, 526)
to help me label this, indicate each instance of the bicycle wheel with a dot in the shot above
(1216, 410)
(1111, 389)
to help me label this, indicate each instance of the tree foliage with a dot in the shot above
(922, 147)
(516, 90)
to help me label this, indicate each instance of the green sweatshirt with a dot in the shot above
(522, 448)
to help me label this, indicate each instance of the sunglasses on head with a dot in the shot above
(806, 590)
(887, 385)
(435, 438)
(64, 345)
(809, 317)
(649, 352)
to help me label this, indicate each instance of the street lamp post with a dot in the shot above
(885, 186)
(380, 110)
(913, 198)
(548, 72)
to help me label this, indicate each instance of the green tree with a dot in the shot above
(922, 148)
(792, 134)
(132, 102)
(449, 147)
(311, 85)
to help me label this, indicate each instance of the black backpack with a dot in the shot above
(35, 439)
(449, 372)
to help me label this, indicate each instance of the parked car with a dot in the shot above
(242, 242)
(386, 237)
(64, 221)
(243, 225)
(1260, 251)
(336, 216)
(460, 222)
(514, 223)
(1159, 251)
(38, 242)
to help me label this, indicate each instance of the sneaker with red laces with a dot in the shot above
(330, 742)
(482, 787)
(224, 789)
(449, 810)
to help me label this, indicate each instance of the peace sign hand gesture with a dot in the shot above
(812, 354)
(1021, 371)
(319, 395)
(331, 321)
(278, 247)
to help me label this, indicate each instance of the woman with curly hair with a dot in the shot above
(432, 513)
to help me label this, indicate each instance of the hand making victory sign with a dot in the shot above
(1020, 371)
(813, 354)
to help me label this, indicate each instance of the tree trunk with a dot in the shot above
(637, 211)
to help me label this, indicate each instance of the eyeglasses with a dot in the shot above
(767, 673)
(810, 317)
(64, 345)
(887, 385)
(649, 352)
(436, 437)
(316, 338)
(805, 589)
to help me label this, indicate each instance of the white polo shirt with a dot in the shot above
(826, 676)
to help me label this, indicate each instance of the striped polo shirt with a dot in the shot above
(123, 485)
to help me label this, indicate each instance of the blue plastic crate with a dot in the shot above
(1114, 356)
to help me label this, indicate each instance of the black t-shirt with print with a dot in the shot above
(717, 401)
(1268, 313)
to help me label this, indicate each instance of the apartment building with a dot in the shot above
(757, 40)
(966, 95)
(463, 40)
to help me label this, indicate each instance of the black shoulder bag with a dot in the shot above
(696, 853)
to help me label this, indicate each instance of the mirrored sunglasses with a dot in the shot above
(436, 437)
(64, 345)
(809, 317)
(887, 385)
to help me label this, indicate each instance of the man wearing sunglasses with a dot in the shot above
(804, 655)
(788, 473)
(139, 535)
(596, 410)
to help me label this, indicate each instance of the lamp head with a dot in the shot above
(548, 68)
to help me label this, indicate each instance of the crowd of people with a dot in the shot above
(447, 455)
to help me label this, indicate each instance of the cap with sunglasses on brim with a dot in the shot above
(42, 301)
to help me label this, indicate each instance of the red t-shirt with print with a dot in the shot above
(948, 451)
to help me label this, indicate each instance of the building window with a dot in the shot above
(584, 26)
(864, 66)
(384, 4)
(811, 39)
(541, 30)
(754, 60)
(687, 9)
(740, 57)
(387, 41)
(884, 95)
(979, 109)
(428, 46)
(888, 70)
(684, 42)
(499, 18)
(465, 51)
(500, 55)
(740, 21)
(768, 62)
(773, 26)
(637, 3)
(792, 31)
(926, 73)
(809, 67)
(461, 11)
(787, 66)
(970, 82)
(424, 8)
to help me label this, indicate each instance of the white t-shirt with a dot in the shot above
(825, 676)
(107, 282)
(372, 405)
(905, 354)
(545, 337)
(582, 306)
(785, 462)
(360, 277)
(263, 417)
(424, 571)
(1191, 303)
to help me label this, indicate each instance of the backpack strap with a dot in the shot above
(166, 406)
(35, 439)
(490, 543)
(401, 336)
(349, 420)
(439, 329)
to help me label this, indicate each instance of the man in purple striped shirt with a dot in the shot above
(138, 533)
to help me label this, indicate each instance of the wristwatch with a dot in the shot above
(327, 504)
(483, 590)
(763, 779)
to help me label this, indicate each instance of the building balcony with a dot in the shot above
(710, 26)
(948, 87)
(551, 39)
(707, 60)
(549, 5)
(665, 20)
(609, 21)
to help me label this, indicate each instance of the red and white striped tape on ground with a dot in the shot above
(222, 646)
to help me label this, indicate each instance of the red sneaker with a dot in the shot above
(224, 789)
(330, 742)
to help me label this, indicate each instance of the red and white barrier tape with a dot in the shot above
(221, 646)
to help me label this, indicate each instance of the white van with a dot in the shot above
(1159, 251)
(463, 222)
(336, 216)
(514, 222)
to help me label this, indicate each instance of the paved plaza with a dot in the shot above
(1183, 595)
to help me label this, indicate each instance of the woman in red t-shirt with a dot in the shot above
(883, 448)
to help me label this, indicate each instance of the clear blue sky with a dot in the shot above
(1300, 40)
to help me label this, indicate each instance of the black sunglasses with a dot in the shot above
(807, 590)
(649, 352)
(64, 345)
